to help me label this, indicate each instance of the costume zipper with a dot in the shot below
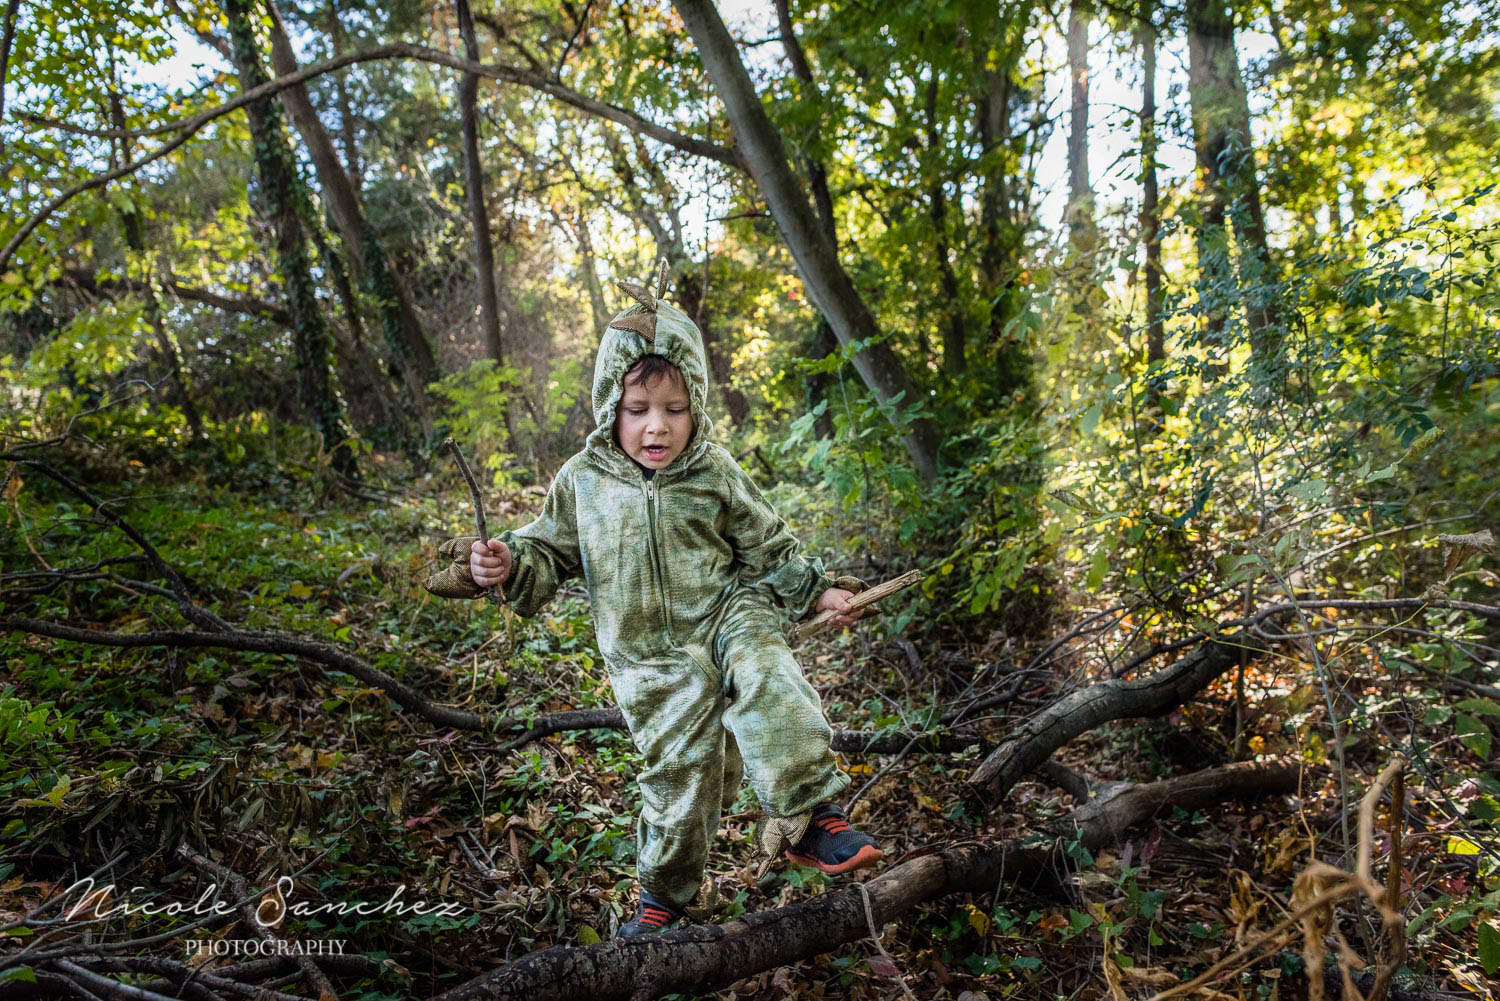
(657, 563)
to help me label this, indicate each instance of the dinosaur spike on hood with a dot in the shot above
(671, 334)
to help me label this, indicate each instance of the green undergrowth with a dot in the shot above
(279, 767)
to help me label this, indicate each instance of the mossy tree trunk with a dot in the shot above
(1226, 163)
(1156, 349)
(284, 202)
(479, 217)
(401, 331)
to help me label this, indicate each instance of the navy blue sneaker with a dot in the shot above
(651, 916)
(832, 845)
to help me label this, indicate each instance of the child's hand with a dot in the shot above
(836, 599)
(489, 565)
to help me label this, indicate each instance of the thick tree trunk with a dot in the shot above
(402, 332)
(828, 285)
(479, 216)
(1151, 215)
(285, 204)
(1226, 163)
(1079, 213)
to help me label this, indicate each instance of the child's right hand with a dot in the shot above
(490, 564)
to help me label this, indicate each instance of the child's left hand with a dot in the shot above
(836, 599)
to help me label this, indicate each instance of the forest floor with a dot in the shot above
(276, 766)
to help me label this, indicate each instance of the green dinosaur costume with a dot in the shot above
(689, 575)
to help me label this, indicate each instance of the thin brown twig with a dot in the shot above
(496, 593)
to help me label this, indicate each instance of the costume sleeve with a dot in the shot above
(770, 555)
(545, 552)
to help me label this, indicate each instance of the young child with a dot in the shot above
(689, 573)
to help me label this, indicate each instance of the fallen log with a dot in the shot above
(1105, 817)
(709, 957)
(1081, 711)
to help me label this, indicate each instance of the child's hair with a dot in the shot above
(649, 368)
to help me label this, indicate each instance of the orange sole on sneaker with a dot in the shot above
(864, 858)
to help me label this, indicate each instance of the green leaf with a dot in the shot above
(26, 974)
(1473, 734)
(1090, 419)
(1309, 490)
(1480, 707)
(1489, 948)
(1097, 570)
(588, 936)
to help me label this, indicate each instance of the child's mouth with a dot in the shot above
(655, 451)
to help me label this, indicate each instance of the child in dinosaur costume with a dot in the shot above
(689, 573)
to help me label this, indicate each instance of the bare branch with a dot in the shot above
(188, 127)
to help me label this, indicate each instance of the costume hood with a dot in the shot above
(651, 326)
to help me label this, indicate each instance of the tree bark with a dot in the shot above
(1151, 215)
(1079, 213)
(388, 291)
(1226, 163)
(479, 216)
(1083, 710)
(828, 285)
(285, 204)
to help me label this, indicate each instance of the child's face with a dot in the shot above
(654, 421)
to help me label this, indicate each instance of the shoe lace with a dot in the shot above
(833, 825)
(654, 916)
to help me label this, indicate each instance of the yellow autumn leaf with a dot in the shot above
(1461, 846)
(978, 920)
(299, 591)
(1258, 744)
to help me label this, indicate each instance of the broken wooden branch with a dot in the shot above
(1083, 710)
(1105, 816)
(864, 598)
(495, 594)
